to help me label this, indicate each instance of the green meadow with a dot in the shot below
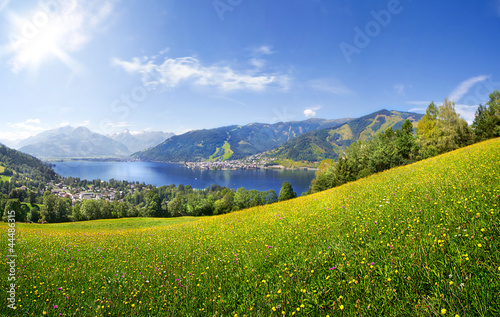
(418, 240)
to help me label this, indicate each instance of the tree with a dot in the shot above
(406, 146)
(427, 132)
(34, 215)
(48, 212)
(76, 213)
(270, 197)
(453, 131)
(241, 199)
(176, 207)
(14, 205)
(153, 204)
(486, 123)
(225, 204)
(91, 209)
(286, 192)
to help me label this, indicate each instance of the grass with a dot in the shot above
(2, 169)
(223, 153)
(419, 240)
(227, 151)
(122, 224)
(4, 178)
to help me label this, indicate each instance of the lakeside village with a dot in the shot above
(85, 193)
(256, 161)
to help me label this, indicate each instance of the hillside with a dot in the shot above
(330, 142)
(69, 142)
(24, 164)
(418, 240)
(234, 142)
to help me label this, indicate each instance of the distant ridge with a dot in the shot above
(138, 141)
(329, 143)
(70, 142)
(231, 142)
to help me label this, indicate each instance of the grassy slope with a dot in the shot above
(3, 178)
(415, 240)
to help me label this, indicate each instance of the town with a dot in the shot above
(256, 161)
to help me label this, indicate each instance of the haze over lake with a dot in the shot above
(160, 174)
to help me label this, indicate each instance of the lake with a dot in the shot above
(160, 174)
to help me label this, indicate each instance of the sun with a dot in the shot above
(41, 47)
(33, 44)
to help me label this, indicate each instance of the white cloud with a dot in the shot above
(418, 103)
(309, 113)
(417, 110)
(82, 124)
(31, 125)
(173, 72)
(466, 112)
(330, 85)
(53, 31)
(120, 124)
(258, 63)
(263, 50)
(464, 87)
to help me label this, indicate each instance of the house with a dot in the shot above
(87, 195)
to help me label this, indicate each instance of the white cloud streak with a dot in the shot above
(173, 72)
(464, 87)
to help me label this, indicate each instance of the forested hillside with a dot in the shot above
(329, 143)
(18, 164)
(231, 142)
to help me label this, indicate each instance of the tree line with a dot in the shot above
(139, 200)
(440, 130)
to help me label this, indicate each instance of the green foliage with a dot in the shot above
(412, 241)
(442, 130)
(486, 123)
(17, 163)
(15, 206)
(235, 142)
(286, 192)
(331, 142)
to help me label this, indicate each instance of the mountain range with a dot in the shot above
(80, 142)
(231, 142)
(309, 140)
(329, 143)
(138, 141)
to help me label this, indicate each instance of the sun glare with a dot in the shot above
(40, 47)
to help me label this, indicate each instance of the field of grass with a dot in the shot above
(419, 240)
(2, 169)
(4, 178)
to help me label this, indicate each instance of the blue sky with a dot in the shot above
(192, 64)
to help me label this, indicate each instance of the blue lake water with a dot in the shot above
(166, 173)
